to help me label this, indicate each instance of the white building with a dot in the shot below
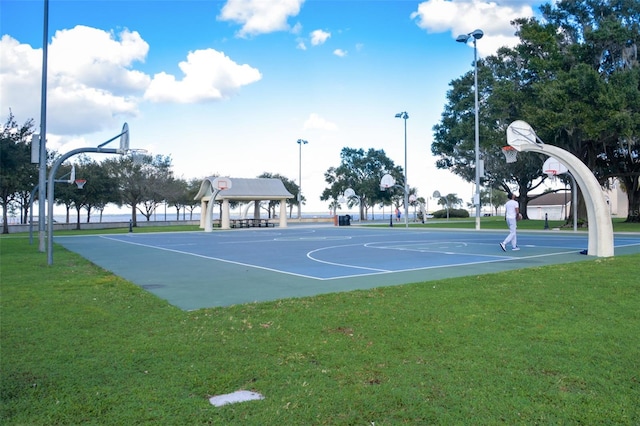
(558, 205)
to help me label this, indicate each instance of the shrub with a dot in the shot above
(440, 214)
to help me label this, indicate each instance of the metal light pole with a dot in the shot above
(464, 38)
(404, 116)
(42, 157)
(300, 142)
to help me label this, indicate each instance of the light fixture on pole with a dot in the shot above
(404, 116)
(300, 142)
(464, 38)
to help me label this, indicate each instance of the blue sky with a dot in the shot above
(228, 87)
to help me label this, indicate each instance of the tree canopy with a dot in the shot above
(17, 175)
(574, 76)
(362, 172)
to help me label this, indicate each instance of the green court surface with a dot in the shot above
(194, 270)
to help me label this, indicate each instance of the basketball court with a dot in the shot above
(194, 270)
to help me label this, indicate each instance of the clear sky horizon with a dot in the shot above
(228, 87)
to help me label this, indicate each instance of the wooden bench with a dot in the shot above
(238, 223)
(260, 222)
(251, 223)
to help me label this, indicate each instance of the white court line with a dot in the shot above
(455, 265)
(249, 265)
(500, 258)
(627, 245)
(402, 246)
(310, 256)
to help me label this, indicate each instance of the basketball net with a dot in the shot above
(80, 183)
(552, 174)
(510, 154)
(138, 156)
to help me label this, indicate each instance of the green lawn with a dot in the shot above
(498, 222)
(552, 345)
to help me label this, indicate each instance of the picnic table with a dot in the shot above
(251, 223)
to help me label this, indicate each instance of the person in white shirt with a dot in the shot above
(512, 215)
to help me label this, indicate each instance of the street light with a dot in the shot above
(404, 116)
(300, 142)
(464, 38)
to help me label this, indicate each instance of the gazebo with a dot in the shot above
(224, 189)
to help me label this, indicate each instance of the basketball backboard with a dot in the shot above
(349, 192)
(553, 167)
(124, 139)
(520, 133)
(221, 183)
(387, 181)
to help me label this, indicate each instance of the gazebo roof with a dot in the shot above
(245, 189)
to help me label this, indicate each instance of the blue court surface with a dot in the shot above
(194, 270)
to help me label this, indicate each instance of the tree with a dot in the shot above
(16, 171)
(140, 182)
(493, 197)
(290, 186)
(572, 78)
(362, 172)
(454, 136)
(601, 123)
(176, 194)
(64, 192)
(99, 190)
(190, 202)
(450, 201)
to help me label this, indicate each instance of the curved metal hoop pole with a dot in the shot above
(50, 189)
(600, 227)
(54, 169)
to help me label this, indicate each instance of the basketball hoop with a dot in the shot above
(554, 168)
(387, 182)
(137, 156)
(221, 183)
(510, 154)
(80, 183)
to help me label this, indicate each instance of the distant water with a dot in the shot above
(95, 218)
(159, 217)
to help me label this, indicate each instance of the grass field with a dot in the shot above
(552, 345)
(498, 222)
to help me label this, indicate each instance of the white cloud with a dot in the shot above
(339, 52)
(90, 83)
(319, 37)
(463, 16)
(297, 28)
(315, 121)
(93, 86)
(20, 77)
(99, 59)
(260, 16)
(208, 75)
